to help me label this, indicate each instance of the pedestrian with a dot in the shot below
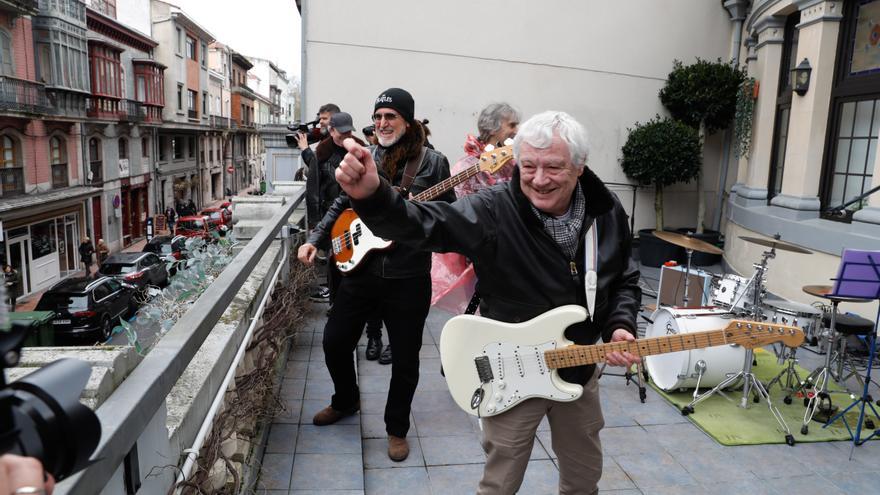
(553, 235)
(12, 281)
(86, 250)
(394, 283)
(170, 218)
(191, 207)
(103, 251)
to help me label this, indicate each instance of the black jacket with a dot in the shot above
(321, 186)
(521, 271)
(397, 261)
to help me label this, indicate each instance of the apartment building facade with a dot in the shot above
(45, 191)
(182, 172)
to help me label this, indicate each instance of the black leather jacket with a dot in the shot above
(321, 185)
(521, 271)
(397, 261)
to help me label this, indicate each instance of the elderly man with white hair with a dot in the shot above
(552, 236)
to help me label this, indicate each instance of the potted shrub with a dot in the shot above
(704, 96)
(660, 152)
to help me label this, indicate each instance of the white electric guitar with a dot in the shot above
(491, 366)
(352, 240)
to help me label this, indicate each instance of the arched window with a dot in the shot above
(58, 161)
(11, 171)
(95, 164)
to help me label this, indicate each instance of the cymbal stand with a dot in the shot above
(751, 384)
(687, 276)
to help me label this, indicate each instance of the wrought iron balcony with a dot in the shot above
(131, 111)
(23, 96)
(220, 122)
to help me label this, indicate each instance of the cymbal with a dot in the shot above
(775, 243)
(687, 242)
(825, 292)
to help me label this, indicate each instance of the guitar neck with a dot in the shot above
(441, 187)
(579, 355)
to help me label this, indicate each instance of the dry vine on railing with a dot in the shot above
(253, 401)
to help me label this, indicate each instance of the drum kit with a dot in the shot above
(730, 367)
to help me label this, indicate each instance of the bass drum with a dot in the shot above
(676, 370)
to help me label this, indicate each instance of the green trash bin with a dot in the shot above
(42, 333)
(262, 187)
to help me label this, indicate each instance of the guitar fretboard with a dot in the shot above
(578, 355)
(441, 187)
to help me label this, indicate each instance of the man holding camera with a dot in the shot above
(315, 184)
(395, 282)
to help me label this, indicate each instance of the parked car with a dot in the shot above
(166, 245)
(219, 219)
(138, 269)
(193, 226)
(88, 308)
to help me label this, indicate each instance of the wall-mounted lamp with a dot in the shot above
(800, 77)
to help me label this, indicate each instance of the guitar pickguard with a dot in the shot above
(518, 373)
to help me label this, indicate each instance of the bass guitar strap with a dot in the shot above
(410, 171)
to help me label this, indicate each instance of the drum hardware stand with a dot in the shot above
(640, 374)
(751, 384)
(793, 382)
(819, 399)
(860, 277)
(687, 276)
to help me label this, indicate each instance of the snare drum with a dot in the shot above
(676, 370)
(796, 314)
(733, 293)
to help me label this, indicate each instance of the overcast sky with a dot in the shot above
(267, 29)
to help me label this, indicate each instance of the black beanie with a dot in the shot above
(397, 99)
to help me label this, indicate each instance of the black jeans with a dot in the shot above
(403, 305)
(334, 278)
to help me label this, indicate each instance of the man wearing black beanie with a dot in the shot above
(395, 282)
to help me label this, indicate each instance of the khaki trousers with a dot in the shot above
(574, 429)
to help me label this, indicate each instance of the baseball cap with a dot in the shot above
(341, 121)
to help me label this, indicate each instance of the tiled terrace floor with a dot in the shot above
(649, 448)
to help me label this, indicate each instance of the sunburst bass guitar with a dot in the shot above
(351, 239)
(492, 366)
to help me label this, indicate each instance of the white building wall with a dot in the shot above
(135, 14)
(603, 62)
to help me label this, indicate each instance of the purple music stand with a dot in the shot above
(859, 277)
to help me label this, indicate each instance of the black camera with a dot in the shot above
(311, 130)
(40, 414)
(369, 130)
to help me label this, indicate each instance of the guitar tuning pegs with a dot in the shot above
(508, 142)
(489, 147)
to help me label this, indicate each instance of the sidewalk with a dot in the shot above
(649, 448)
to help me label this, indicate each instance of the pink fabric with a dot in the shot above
(452, 276)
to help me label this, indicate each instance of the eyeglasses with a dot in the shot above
(389, 117)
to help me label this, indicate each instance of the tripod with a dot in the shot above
(749, 380)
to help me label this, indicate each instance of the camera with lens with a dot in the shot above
(40, 414)
(311, 130)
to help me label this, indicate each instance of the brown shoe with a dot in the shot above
(398, 448)
(328, 415)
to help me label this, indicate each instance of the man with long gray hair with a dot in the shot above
(536, 243)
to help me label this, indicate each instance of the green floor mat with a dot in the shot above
(729, 424)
